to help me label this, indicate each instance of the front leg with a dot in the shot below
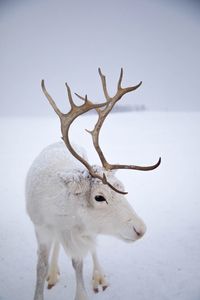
(80, 287)
(98, 278)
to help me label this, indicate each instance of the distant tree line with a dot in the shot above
(139, 107)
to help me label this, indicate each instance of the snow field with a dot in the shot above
(165, 264)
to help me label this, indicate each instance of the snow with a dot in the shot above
(165, 264)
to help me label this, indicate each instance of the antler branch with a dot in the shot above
(50, 99)
(111, 101)
(103, 109)
(103, 80)
(66, 121)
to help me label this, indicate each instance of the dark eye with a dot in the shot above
(100, 198)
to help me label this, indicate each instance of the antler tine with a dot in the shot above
(81, 97)
(50, 99)
(70, 96)
(66, 121)
(122, 91)
(85, 99)
(104, 85)
(120, 79)
(102, 116)
(131, 88)
(133, 167)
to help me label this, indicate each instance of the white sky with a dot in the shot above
(155, 41)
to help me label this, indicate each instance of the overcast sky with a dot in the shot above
(156, 41)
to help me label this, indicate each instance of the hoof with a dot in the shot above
(52, 279)
(50, 286)
(99, 282)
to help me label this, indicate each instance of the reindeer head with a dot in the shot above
(108, 211)
(100, 209)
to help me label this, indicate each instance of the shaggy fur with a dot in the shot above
(60, 197)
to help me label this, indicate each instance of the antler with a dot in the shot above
(66, 121)
(103, 110)
(111, 101)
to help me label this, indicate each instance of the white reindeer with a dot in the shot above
(70, 202)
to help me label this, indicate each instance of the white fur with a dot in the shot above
(60, 197)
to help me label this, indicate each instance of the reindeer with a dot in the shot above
(71, 202)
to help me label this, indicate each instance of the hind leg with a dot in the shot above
(53, 273)
(80, 287)
(44, 247)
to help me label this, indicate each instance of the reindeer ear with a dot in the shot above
(77, 181)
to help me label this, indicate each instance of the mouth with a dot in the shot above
(129, 241)
(126, 239)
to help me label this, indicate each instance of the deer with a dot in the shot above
(72, 202)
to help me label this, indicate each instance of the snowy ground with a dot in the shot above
(165, 264)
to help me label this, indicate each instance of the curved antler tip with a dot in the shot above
(43, 86)
(82, 98)
(99, 70)
(88, 131)
(136, 86)
(158, 163)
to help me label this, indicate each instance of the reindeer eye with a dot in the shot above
(100, 198)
